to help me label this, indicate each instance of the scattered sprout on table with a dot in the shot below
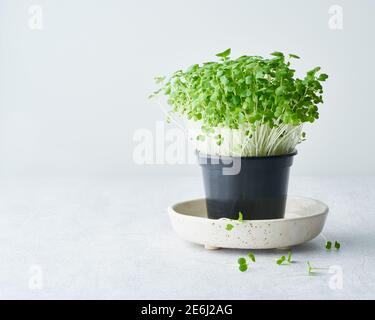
(251, 256)
(337, 245)
(280, 260)
(229, 227)
(328, 245)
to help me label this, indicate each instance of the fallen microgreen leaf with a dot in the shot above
(337, 245)
(229, 227)
(281, 260)
(328, 245)
(251, 256)
(309, 268)
(242, 264)
(289, 259)
(242, 267)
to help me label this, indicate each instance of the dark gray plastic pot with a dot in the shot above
(259, 190)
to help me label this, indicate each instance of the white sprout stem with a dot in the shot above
(168, 115)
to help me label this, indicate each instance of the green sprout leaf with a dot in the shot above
(240, 216)
(289, 259)
(219, 139)
(293, 56)
(277, 54)
(323, 77)
(309, 268)
(337, 245)
(159, 80)
(201, 137)
(242, 267)
(328, 245)
(242, 264)
(224, 54)
(251, 256)
(281, 260)
(229, 227)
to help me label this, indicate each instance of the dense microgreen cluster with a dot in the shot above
(246, 92)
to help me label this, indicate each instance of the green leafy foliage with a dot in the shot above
(245, 92)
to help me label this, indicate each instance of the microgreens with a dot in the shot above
(242, 267)
(310, 268)
(280, 260)
(242, 264)
(283, 259)
(328, 245)
(259, 95)
(251, 256)
(229, 227)
(240, 216)
(337, 245)
(289, 259)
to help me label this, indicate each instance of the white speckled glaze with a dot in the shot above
(304, 220)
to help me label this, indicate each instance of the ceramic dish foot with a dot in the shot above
(208, 247)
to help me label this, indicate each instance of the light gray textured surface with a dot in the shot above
(112, 239)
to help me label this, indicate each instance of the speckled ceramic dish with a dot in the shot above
(304, 220)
